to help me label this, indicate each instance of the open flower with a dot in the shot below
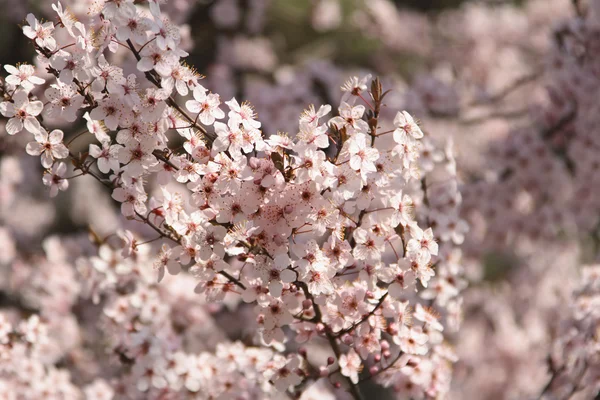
(107, 156)
(362, 157)
(56, 180)
(206, 105)
(405, 126)
(48, 146)
(41, 33)
(132, 199)
(23, 75)
(351, 365)
(64, 101)
(22, 113)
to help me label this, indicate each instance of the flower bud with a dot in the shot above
(306, 304)
(392, 329)
(320, 328)
(347, 339)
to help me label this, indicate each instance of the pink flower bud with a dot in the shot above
(347, 339)
(392, 329)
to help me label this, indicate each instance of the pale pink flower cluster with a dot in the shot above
(26, 373)
(327, 235)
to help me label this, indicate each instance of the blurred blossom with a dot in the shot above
(277, 228)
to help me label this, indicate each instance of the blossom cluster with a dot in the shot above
(307, 250)
(326, 234)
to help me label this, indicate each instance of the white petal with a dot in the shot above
(60, 151)
(32, 125)
(56, 136)
(193, 106)
(46, 159)
(13, 126)
(34, 148)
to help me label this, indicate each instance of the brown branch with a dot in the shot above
(364, 318)
(390, 365)
(331, 338)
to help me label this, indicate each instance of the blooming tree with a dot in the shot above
(323, 237)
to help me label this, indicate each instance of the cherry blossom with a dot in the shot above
(64, 101)
(107, 156)
(322, 231)
(205, 105)
(41, 33)
(23, 75)
(55, 179)
(49, 146)
(351, 365)
(22, 113)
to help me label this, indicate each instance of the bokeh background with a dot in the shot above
(495, 80)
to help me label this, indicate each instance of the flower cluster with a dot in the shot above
(26, 372)
(326, 234)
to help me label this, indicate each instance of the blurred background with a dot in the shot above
(483, 77)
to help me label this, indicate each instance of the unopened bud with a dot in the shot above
(306, 304)
(387, 354)
(385, 345)
(337, 385)
(392, 329)
(320, 328)
(374, 369)
(330, 360)
(347, 339)
(377, 357)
